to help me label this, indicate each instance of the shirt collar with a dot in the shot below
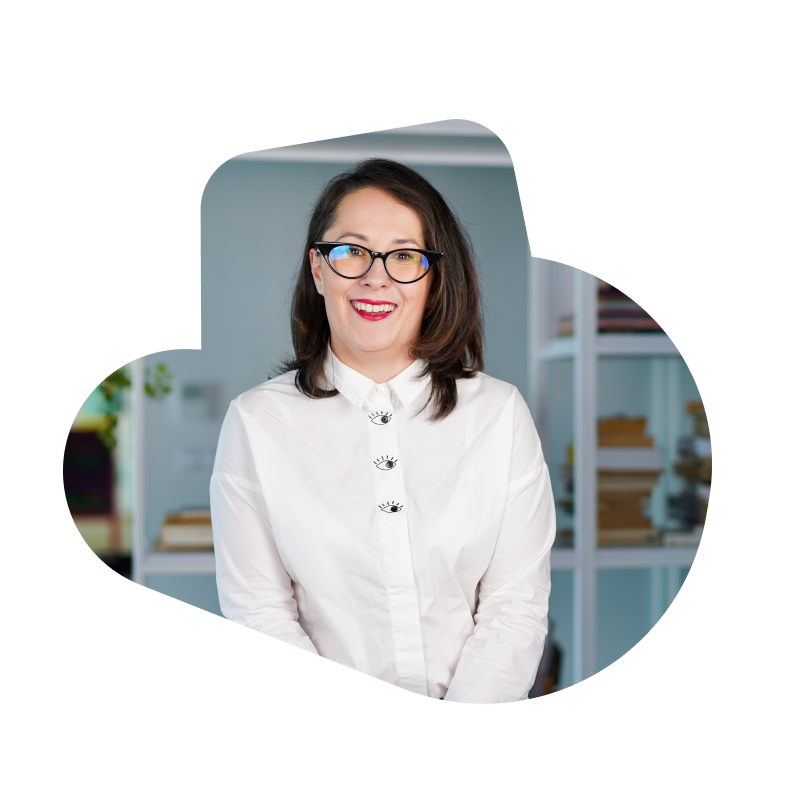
(356, 387)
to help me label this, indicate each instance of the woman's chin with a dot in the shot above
(373, 344)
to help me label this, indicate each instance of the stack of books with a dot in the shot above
(565, 534)
(616, 313)
(628, 469)
(694, 466)
(189, 530)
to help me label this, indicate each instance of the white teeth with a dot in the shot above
(374, 309)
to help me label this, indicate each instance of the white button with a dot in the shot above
(379, 389)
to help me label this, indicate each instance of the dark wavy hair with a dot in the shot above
(451, 336)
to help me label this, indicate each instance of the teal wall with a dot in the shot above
(628, 601)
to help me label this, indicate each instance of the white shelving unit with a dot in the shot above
(584, 349)
(144, 560)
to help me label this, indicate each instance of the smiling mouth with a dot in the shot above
(373, 310)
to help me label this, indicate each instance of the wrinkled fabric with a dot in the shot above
(416, 552)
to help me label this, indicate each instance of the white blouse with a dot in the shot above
(415, 552)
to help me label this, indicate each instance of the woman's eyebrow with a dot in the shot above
(343, 236)
(353, 236)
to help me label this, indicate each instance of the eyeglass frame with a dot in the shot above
(432, 255)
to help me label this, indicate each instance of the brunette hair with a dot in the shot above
(451, 336)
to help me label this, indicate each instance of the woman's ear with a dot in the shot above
(316, 268)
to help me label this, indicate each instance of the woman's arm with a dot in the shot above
(499, 661)
(254, 588)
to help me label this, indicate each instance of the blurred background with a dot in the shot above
(621, 421)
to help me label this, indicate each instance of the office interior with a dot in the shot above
(254, 211)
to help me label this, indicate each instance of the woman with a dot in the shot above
(383, 502)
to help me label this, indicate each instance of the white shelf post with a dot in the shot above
(537, 339)
(138, 541)
(585, 474)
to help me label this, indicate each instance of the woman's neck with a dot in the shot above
(377, 366)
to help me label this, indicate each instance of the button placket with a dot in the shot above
(389, 489)
(392, 521)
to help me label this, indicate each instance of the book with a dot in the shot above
(623, 432)
(566, 326)
(681, 538)
(621, 425)
(624, 440)
(616, 313)
(627, 537)
(622, 510)
(644, 532)
(628, 325)
(620, 308)
(182, 548)
(696, 410)
(629, 459)
(627, 481)
(617, 520)
(188, 529)
(606, 290)
(615, 499)
(203, 514)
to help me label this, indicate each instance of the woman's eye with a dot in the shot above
(391, 507)
(380, 417)
(386, 462)
(356, 252)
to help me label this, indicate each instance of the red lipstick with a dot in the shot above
(371, 315)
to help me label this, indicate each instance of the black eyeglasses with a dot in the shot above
(355, 261)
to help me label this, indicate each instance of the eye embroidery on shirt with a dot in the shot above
(390, 508)
(380, 417)
(385, 462)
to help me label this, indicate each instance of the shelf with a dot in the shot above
(568, 407)
(559, 349)
(635, 344)
(642, 557)
(627, 557)
(178, 564)
(614, 344)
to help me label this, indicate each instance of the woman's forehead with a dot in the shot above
(372, 211)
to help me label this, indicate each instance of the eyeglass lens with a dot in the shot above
(402, 265)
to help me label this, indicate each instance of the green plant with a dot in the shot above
(157, 385)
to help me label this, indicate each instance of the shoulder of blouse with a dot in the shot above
(484, 388)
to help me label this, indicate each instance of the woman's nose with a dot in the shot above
(377, 275)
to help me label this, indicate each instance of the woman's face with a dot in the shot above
(372, 218)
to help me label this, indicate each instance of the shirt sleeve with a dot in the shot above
(499, 661)
(254, 587)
